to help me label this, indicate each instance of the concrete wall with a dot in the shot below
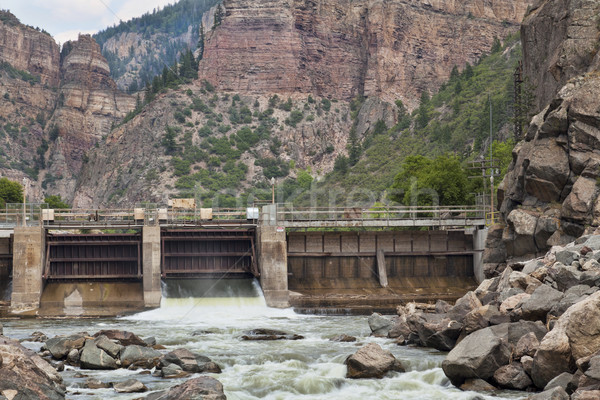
(479, 237)
(151, 259)
(272, 258)
(28, 262)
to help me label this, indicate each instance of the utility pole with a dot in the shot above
(491, 160)
(24, 201)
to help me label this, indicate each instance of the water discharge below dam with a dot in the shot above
(212, 323)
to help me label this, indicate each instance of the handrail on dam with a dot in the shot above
(285, 215)
(385, 216)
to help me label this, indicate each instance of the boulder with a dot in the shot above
(495, 251)
(26, 374)
(270, 334)
(561, 380)
(480, 318)
(93, 383)
(522, 281)
(512, 376)
(578, 204)
(442, 307)
(532, 265)
(202, 388)
(573, 295)
(592, 369)
(520, 233)
(540, 302)
(73, 357)
(527, 363)
(371, 361)
(573, 337)
(380, 325)
(188, 361)
(477, 385)
(463, 306)
(586, 395)
(346, 338)
(139, 356)
(110, 347)
(123, 337)
(478, 355)
(556, 393)
(512, 302)
(93, 357)
(130, 386)
(435, 330)
(565, 276)
(60, 346)
(526, 346)
(173, 371)
(150, 341)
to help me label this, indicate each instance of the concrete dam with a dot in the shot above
(335, 262)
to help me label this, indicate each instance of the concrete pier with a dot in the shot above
(151, 258)
(28, 262)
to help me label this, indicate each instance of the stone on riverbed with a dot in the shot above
(60, 346)
(113, 349)
(270, 334)
(371, 361)
(343, 338)
(93, 357)
(512, 376)
(92, 383)
(139, 356)
(130, 386)
(123, 337)
(189, 362)
(380, 325)
(202, 388)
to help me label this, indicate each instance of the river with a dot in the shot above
(312, 368)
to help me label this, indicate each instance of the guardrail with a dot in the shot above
(382, 216)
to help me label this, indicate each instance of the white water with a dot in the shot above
(312, 368)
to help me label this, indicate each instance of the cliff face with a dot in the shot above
(28, 49)
(89, 105)
(53, 108)
(560, 41)
(340, 48)
(550, 193)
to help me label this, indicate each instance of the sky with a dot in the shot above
(65, 19)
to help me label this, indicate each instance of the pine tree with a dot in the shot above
(201, 42)
(219, 14)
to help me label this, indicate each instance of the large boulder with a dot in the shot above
(130, 386)
(27, 374)
(93, 357)
(125, 338)
(111, 348)
(371, 361)
(578, 204)
(189, 362)
(540, 302)
(139, 356)
(512, 376)
(463, 306)
(574, 336)
(60, 346)
(202, 388)
(478, 355)
(519, 236)
(434, 330)
(380, 325)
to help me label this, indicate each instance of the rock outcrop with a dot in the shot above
(550, 194)
(28, 49)
(391, 49)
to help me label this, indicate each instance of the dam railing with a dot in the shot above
(286, 215)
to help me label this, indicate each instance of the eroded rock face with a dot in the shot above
(342, 48)
(28, 49)
(558, 44)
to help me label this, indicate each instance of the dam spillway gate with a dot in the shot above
(228, 253)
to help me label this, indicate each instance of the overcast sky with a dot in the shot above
(65, 19)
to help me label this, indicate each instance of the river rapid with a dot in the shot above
(312, 368)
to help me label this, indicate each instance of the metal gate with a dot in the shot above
(93, 257)
(208, 253)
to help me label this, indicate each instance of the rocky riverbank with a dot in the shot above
(535, 326)
(25, 374)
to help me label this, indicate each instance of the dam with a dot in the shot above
(338, 261)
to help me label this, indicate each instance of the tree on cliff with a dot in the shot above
(219, 14)
(201, 42)
(10, 192)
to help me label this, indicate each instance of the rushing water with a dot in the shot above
(312, 368)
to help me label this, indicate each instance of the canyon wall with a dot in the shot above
(550, 193)
(341, 48)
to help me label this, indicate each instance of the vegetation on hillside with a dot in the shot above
(452, 126)
(160, 28)
(10, 192)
